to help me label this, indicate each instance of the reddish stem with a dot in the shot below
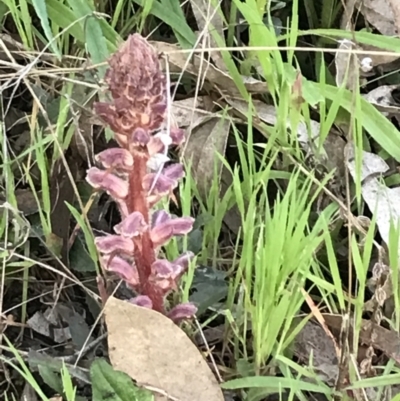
(144, 250)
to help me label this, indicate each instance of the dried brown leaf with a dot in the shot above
(191, 112)
(383, 201)
(395, 5)
(205, 141)
(46, 324)
(26, 201)
(380, 14)
(312, 341)
(383, 100)
(347, 66)
(156, 353)
(179, 61)
(209, 18)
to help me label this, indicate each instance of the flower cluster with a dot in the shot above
(131, 175)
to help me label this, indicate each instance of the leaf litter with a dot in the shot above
(183, 62)
(210, 22)
(205, 142)
(169, 364)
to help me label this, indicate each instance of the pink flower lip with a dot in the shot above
(184, 260)
(177, 136)
(163, 185)
(115, 186)
(115, 158)
(113, 243)
(182, 312)
(164, 269)
(123, 268)
(160, 234)
(131, 226)
(142, 300)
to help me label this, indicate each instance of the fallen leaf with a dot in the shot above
(78, 328)
(347, 66)
(205, 141)
(382, 99)
(179, 61)
(44, 323)
(312, 343)
(395, 5)
(26, 201)
(379, 13)
(191, 112)
(156, 353)
(383, 202)
(208, 19)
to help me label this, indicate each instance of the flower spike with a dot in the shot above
(132, 175)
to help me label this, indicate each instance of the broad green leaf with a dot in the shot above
(175, 7)
(41, 11)
(51, 378)
(95, 40)
(79, 257)
(186, 38)
(65, 18)
(112, 385)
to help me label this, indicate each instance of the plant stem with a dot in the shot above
(144, 250)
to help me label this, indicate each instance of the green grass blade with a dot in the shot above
(86, 232)
(276, 383)
(377, 125)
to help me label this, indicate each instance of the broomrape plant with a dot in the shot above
(131, 176)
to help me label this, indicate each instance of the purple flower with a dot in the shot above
(142, 300)
(178, 136)
(131, 226)
(108, 182)
(184, 260)
(115, 158)
(113, 243)
(166, 182)
(182, 311)
(136, 114)
(161, 233)
(141, 136)
(127, 271)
